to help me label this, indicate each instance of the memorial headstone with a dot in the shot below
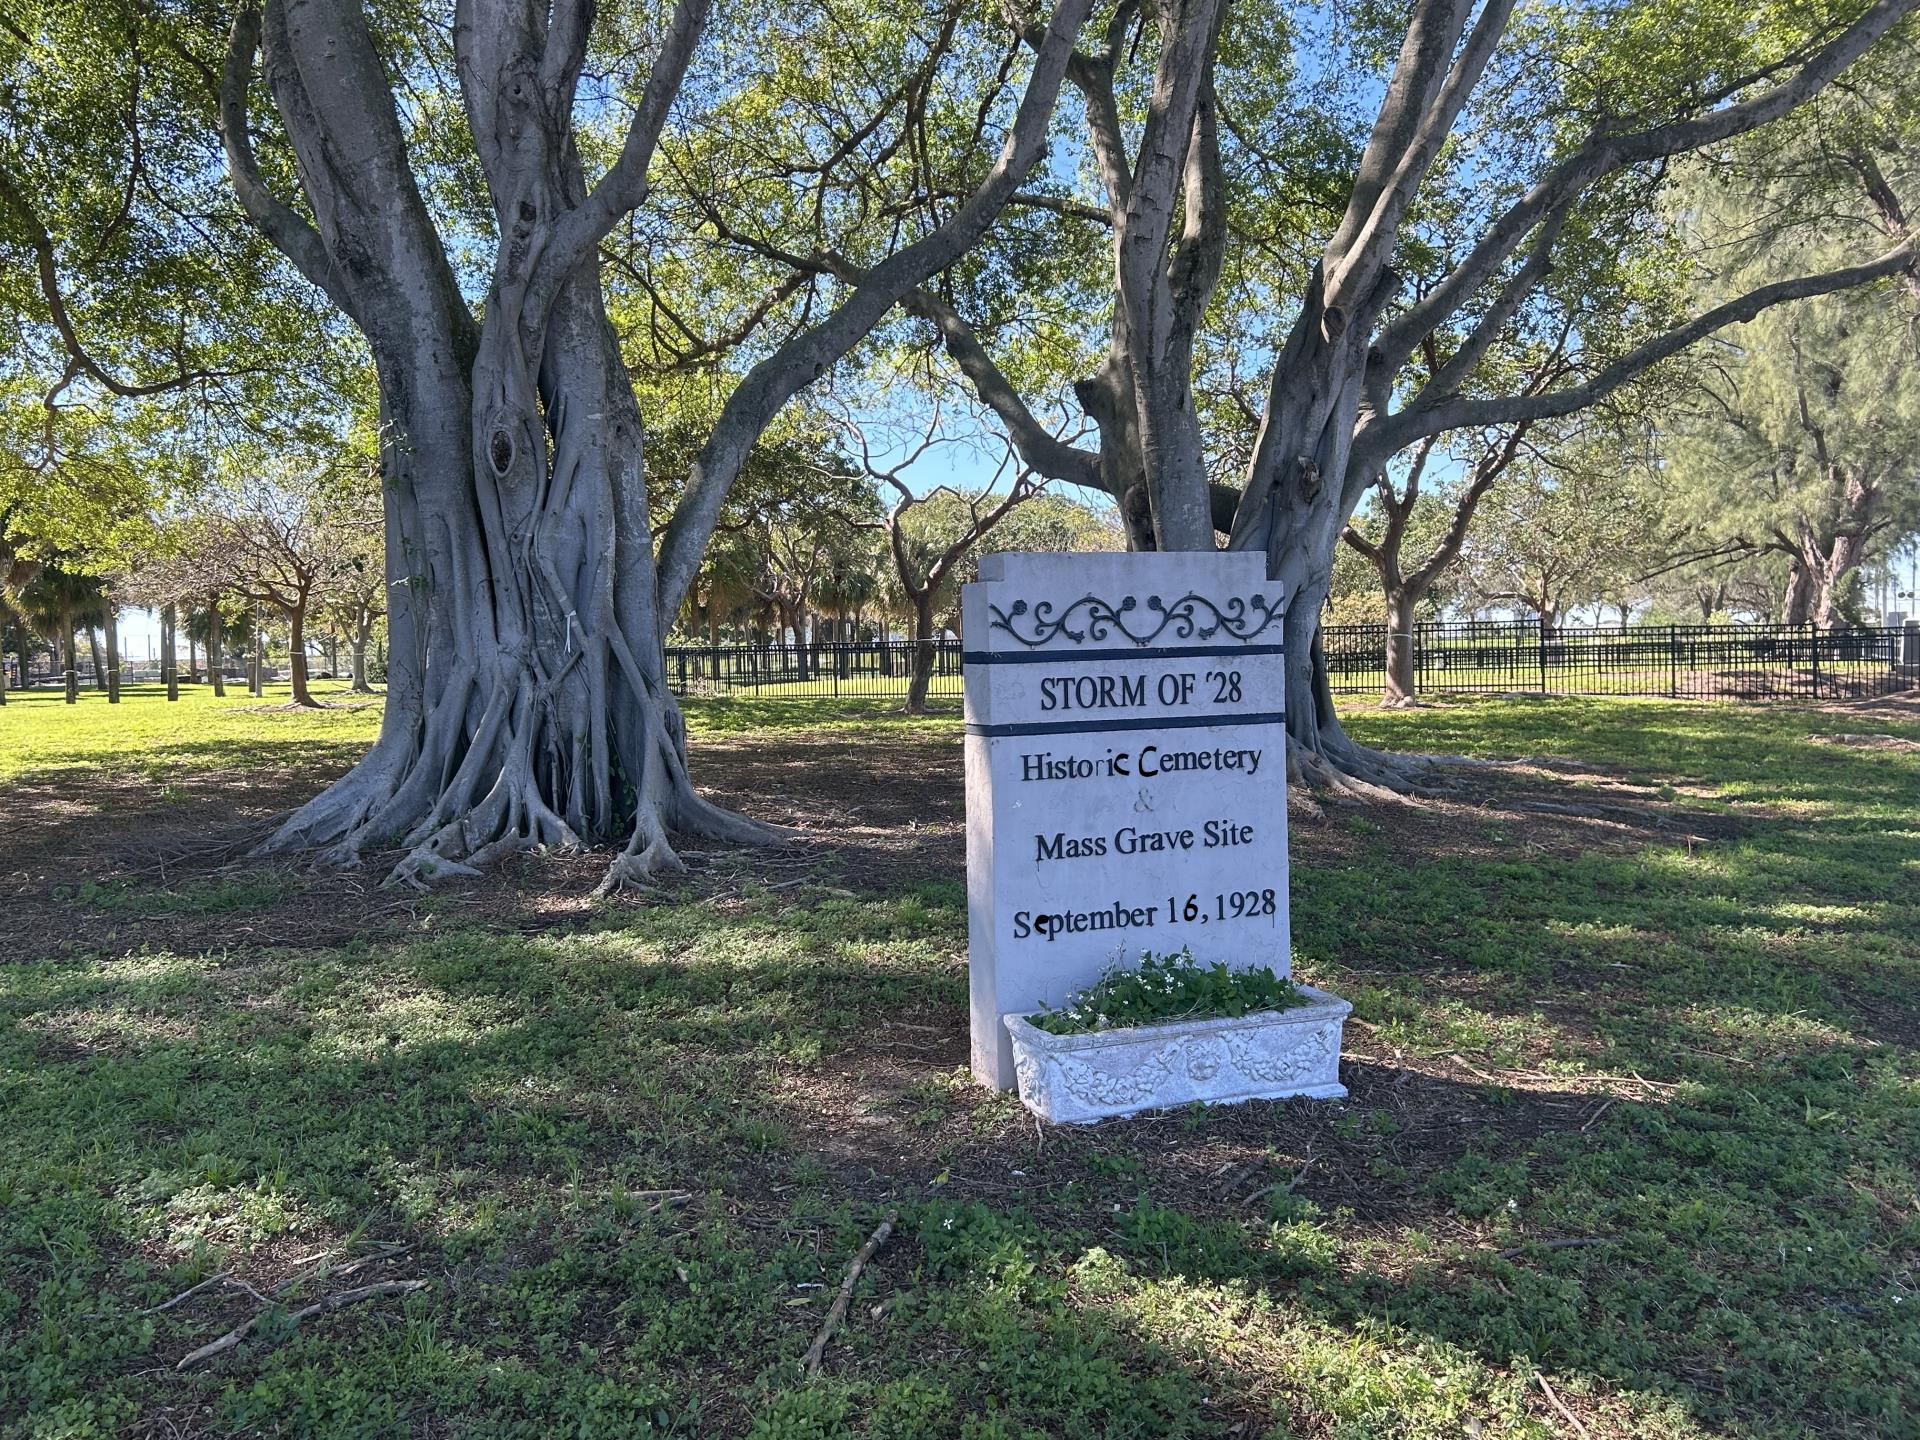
(1126, 774)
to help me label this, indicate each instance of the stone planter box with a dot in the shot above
(1269, 1055)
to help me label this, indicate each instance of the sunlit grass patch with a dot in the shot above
(148, 737)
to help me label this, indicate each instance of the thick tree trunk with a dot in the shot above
(112, 629)
(1840, 560)
(70, 656)
(527, 703)
(216, 660)
(362, 633)
(99, 662)
(923, 655)
(1402, 682)
(1802, 586)
(1300, 492)
(297, 657)
(527, 698)
(193, 659)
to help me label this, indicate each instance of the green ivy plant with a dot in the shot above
(1167, 987)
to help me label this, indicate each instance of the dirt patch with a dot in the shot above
(1902, 705)
(114, 863)
(1867, 742)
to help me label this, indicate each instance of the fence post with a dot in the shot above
(1813, 632)
(1910, 648)
(1673, 662)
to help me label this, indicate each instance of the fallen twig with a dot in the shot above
(186, 1295)
(816, 1351)
(1233, 1177)
(320, 1307)
(1287, 1189)
(1474, 1070)
(1570, 1417)
(385, 1252)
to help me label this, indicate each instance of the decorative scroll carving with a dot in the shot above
(1191, 617)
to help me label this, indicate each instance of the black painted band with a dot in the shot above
(1144, 722)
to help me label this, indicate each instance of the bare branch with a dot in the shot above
(624, 187)
(1039, 447)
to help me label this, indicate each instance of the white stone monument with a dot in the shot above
(1126, 775)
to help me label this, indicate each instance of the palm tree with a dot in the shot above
(15, 633)
(216, 633)
(56, 602)
(15, 636)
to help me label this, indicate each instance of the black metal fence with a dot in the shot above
(1478, 657)
(875, 669)
(1683, 662)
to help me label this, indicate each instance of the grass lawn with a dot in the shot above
(1631, 1149)
(44, 740)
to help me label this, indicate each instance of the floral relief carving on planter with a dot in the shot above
(1131, 1081)
(1309, 1057)
(1267, 1055)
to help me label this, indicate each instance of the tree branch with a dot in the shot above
(79, 360)
(1040, 448)
(289, 233)
(624, 187)
(1197, 260)
(1605, 153)
(1456, 413)
(1408, 135)
(1490, 467)
(802, 359)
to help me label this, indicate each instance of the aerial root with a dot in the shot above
(335, 821)
(511, 820)
(637, 874)
(1350, 773)
(412, 794)
(698, 816)
(640, 870)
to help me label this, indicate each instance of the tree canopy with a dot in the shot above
(1220, 263)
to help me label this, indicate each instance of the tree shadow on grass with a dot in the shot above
(488, 1099)
(1672, 1056)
